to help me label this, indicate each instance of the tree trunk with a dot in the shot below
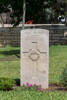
(24, 12)
(66, 12)
(2, 22)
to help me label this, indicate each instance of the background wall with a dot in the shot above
(11, 35)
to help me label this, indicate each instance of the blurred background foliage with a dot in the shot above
(40, 11)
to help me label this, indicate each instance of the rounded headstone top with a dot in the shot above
(35, 30)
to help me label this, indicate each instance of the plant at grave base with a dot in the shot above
(6, 84)
(29, 86)
(39, 88)
(63, 79)
(32, 87)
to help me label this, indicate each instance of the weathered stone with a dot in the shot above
(35, 57)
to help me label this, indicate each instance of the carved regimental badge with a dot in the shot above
(34, 55)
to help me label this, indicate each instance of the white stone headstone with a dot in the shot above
(35, 57)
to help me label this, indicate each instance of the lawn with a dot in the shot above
(10, 67)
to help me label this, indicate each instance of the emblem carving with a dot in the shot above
(34, 55)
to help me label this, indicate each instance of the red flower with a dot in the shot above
(29, 22)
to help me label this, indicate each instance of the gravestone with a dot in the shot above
(35, 57)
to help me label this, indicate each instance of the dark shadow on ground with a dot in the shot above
(11, 52)
(56, 87)
(17, 81)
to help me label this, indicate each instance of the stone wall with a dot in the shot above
(11, 35)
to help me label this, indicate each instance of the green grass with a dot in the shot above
(11, 69)
(9, 52)
(19, 94)
(58, 61)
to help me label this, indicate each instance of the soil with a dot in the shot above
(54, 87)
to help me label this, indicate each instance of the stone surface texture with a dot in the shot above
(35, 57)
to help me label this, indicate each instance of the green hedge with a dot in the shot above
(64, 78)
(6, 84)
